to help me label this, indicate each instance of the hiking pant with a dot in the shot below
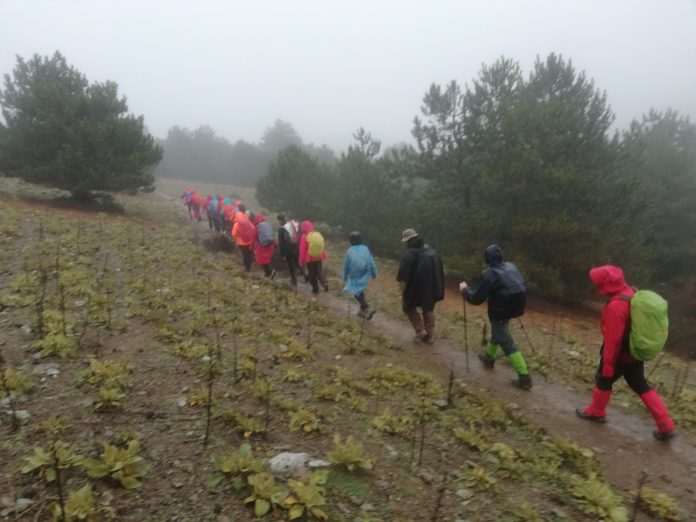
(361, 299)
(632, 372)
(293, 267)
(424, 325)
(316, 275)
(500, 335)
(210, 221)
(247, 256)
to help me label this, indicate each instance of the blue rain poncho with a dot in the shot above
(358, 267)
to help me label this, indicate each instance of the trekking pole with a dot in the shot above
(466, 335)
(526, 335)
(657, 363)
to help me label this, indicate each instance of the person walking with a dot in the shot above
(244, 233)
(288, 246)
(264, 244)
(312, 255)
(503, 286)
(615, 360)
(358, 267)
(422, 283)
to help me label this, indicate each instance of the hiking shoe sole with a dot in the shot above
(526, 386)
(664, 435)
(588, 417)
(487, 361)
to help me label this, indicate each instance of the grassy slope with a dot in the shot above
(487, 456)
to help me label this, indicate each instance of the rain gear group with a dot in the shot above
(314, 265)
(615, 357)
(358, 267)
(422, 281)
(502, 285)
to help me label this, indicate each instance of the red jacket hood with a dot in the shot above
(306, 227)
(608, 279)
(259, 218)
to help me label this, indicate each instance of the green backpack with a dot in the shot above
(649, 324)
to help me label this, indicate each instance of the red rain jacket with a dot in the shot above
(306, 227)
(610, 281)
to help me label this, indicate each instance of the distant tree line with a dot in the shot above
(529, 162)
(202, 155)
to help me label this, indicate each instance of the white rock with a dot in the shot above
(181, 402)
(318, 463)
(22, 415)
(26, 330)
(45, 369)
(284, 462)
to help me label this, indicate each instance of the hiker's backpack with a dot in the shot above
(512, 290)
(315, 244)
(265, 233)
(649, 324)
(245, 231)
(292, 230)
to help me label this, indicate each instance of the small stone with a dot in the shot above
(367, 507)
(338, 357)
(181, 402)
(440, 403)
(178, 483)
(285, 462)
(383, 484)
(356, 500)
(23, 415)
(185, 389)
(464, 493)
(26, 330)
(426, 477)
(318, 463)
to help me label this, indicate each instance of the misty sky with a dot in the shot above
(332, 66)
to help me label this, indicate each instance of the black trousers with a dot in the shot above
(316, 275)
(247, 256)
(632, 372)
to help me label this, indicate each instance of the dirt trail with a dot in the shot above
(624, 445)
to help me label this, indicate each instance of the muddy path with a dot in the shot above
(624, 445)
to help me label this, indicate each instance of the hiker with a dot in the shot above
(264, 245)
(288, 239)
(213, 222)
(244, 233)
(312, 254)
(615, 357)
(358, 267)
(503, 286)
(422, 283)
(206, 206)
(195, 203)
(186, 196)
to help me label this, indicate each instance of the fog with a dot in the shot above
(330, 67)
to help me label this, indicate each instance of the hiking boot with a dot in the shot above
(369, 313)
(326, 286)
(664, 435)
(362, 313)
(523, 382)
(587, 416)
(273, 274)
(487, 361)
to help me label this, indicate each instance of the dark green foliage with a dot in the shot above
(296, 182)
(64, 132)
(529, 164)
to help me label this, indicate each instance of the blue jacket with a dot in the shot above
(358, 267)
